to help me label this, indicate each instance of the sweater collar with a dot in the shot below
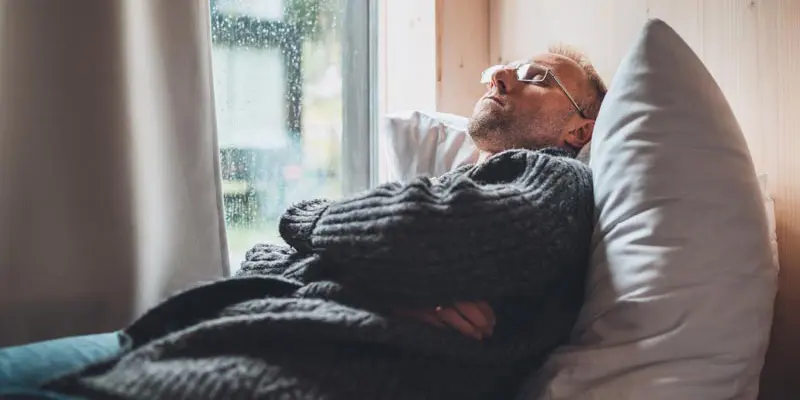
(560, 151)
(553, 151)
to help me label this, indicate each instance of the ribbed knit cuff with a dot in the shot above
(298, 222)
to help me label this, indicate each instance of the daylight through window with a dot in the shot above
(278, 83)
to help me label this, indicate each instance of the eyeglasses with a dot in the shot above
(530, 73)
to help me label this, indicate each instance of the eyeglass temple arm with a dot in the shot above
(569, 96)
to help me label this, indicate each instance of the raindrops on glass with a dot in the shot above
(277, 87)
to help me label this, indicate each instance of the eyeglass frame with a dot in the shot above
(522, 69)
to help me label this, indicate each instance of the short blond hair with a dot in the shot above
(591, 106)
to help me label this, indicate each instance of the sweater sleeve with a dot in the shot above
(501, 228)
(266, 259)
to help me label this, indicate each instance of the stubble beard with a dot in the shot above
(494, 132)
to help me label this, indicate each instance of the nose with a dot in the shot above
(504, 79)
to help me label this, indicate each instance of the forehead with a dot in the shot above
(561, 66)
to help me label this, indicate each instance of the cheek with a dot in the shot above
(480, 107)
(545, 110)
(529, 113)
(532, 102)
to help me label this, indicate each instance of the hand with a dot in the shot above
(475, 320)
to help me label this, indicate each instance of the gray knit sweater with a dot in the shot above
(310, 320)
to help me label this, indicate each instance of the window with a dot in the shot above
(294, 89)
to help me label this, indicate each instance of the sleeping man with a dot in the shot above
(454, 289)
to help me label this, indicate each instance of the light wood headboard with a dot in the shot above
(752, 48)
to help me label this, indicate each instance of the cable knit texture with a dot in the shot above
(311, 320)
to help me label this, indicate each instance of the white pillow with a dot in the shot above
(682, 278)
(414, 143)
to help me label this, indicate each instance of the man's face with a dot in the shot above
(514, 114)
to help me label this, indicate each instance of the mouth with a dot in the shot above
(496, 100)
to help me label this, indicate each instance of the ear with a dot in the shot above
(582, 134)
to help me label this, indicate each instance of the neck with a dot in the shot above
(569, 151)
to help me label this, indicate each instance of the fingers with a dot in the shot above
(487, 311)
(473, 319)
(478, 315)
(453, 317)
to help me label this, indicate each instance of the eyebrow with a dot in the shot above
(543, 65)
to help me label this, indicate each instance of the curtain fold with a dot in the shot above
(109, 173)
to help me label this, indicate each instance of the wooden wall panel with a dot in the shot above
(407, 55)
(431, 54)
(752, 48)
(779, 38)
(462, 53)
(521, 28)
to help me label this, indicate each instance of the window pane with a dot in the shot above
(278, 92)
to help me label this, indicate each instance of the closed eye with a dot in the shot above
(534, 74)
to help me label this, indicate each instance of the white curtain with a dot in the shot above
(109, 177)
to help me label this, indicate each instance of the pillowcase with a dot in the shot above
(682, 280)
(417, 143)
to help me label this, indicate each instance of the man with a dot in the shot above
(551, 100)
(496, 250)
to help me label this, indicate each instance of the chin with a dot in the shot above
(490, 142)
